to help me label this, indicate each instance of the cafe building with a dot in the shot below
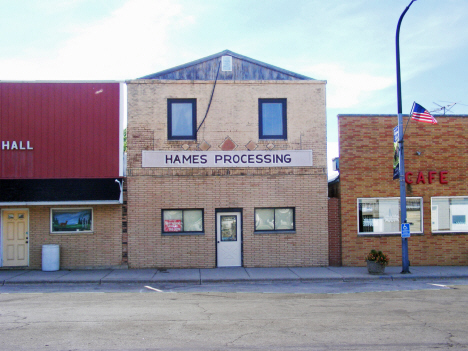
(226, 166)
(436, 189)
(61, 173)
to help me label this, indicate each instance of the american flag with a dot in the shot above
(420, 114)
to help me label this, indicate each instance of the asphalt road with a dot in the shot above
(419, 316)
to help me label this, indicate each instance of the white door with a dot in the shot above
(15, 238)
(229, 239)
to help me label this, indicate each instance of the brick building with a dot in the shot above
(227, 166)
(61, 154)
(436, 186)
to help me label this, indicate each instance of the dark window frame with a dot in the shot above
(261, 135)
(170, 135)
(202, 232)
(293, 230)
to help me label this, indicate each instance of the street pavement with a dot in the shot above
(226, 275)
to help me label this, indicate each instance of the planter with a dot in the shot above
(374, 267)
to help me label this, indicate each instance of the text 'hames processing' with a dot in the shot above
(287, 158)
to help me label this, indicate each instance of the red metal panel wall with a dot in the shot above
(72, 128)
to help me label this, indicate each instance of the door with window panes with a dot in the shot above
(229, 239)
(15, 238)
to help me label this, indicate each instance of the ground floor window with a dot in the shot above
(274, 219)
(382, 215)
(67, 220)
(449, 214)
(182, 221)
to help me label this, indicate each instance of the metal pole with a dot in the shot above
(404, 241)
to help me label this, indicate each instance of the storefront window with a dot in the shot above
(274, 219)
(68, 220)
(182, 221)
(449, 214)
(382, 215)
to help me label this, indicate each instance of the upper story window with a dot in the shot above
(272, 119)
(182, 119)
(382, 215)
(449, 214)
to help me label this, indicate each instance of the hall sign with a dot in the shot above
(429, 177)
(223, 159)
(16, 145)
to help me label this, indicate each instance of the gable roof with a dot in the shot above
(243, 68)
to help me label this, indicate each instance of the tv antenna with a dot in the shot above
(446, 108)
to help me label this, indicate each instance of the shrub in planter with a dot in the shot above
(376, 262)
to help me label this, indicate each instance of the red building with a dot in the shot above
(61, 153)
(436, 190)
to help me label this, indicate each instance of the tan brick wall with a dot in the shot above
(149, 194)
(234, 114)
(102, 248)
(366, 154)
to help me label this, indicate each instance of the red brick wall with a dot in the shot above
(334, 232)
(366, 154)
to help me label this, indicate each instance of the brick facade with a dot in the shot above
(366, 153)
(99, 249)
(233, 114)
(334, 232)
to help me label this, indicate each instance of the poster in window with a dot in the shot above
(72, 220)
(172, 225)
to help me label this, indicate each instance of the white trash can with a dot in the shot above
(50, 258)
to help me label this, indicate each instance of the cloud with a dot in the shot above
(347, 89)
(132, 41)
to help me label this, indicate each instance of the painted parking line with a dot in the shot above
(151, 288)
(442, 286)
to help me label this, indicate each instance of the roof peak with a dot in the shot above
(207, 71)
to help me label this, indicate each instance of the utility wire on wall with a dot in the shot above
(211, 98)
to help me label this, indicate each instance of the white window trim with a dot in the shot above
(399, 219)
(447, 231)
(72, 209)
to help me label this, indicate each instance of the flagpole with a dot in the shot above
(404, 241)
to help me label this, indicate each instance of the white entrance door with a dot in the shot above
(229, 239)
(15, 224)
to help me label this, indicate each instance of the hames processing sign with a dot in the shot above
(221, 159)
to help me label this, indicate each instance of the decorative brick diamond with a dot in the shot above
(185, 147)
(251, 146)
(270, 146)
(228, 145)
(204, 146)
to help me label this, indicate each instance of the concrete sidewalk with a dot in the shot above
(216, 275)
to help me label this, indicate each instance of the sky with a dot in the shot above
(350, 44)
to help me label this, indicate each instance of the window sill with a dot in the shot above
(275, 232)
(270, 139)
(387, 234)
(175, 141)
(449, 233)
(70, 233)
(182, 233)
